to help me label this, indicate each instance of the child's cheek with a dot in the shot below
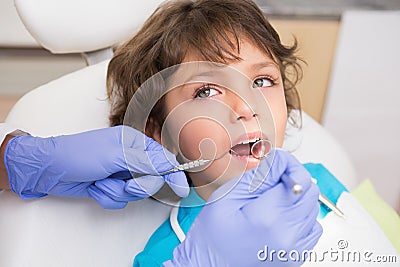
(203, 138)
(277, 104)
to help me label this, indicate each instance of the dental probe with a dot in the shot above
(188, 165)
(297, 189)
(329, 204)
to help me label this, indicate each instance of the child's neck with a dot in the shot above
(205, 191)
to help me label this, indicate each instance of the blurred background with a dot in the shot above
(351, 83)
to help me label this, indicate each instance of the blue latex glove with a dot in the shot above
(70, 165)
(234, 229)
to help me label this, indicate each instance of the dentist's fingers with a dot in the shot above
(309, 190)
(296, 176)
(116, 193)
(311, 239)
(104, 200)
(142, 154)
(242, 187)
(110, 193)
(272, 170)
(309, 222)
(278, 198)
(304, 204)
(262, 178)
(148, 162)
(178, 183)
(70, 189)
(122, 175)
(137, 140)
(145, 186)
(271, 200)
(115, 189)
(268, 173)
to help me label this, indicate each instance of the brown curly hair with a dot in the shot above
(211, 28)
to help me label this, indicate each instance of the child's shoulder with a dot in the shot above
(158, 248)
(327, 183)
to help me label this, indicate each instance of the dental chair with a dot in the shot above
(77, 232)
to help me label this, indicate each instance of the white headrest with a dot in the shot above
(75, 26)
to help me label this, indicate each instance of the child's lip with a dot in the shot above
(249, 136)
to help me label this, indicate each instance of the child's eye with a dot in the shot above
(205, 92)
(263, 82)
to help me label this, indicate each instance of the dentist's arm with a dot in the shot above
(81, 165)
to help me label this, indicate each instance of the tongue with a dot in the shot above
(241, 150)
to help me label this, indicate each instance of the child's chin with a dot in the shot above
(248, 163)
(252, 167)
(236, 170)
(221, 172)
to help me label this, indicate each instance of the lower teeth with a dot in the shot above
(241, 150)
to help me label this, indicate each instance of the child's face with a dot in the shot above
(231, 115)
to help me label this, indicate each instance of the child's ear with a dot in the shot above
(153, 130)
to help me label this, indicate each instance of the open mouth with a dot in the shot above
(256, 148)
(244, 149)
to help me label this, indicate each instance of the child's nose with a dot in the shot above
(243, 109)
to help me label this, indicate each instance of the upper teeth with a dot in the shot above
(249, 141)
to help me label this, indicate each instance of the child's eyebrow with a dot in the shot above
(194, 72)
(214, 75)
(264, 64)
(202, 74)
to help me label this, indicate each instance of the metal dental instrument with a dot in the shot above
(324, 200)
(259, 149)
(263, 146)
(188, 165)
(298, 189)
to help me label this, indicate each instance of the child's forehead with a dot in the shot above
(205, 71)
(228, 55)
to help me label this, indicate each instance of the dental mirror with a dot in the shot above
(261, 148)
(258, 149)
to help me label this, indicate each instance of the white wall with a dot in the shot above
(363, 105)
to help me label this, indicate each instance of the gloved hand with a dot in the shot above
(69, 165)
(235, 229)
